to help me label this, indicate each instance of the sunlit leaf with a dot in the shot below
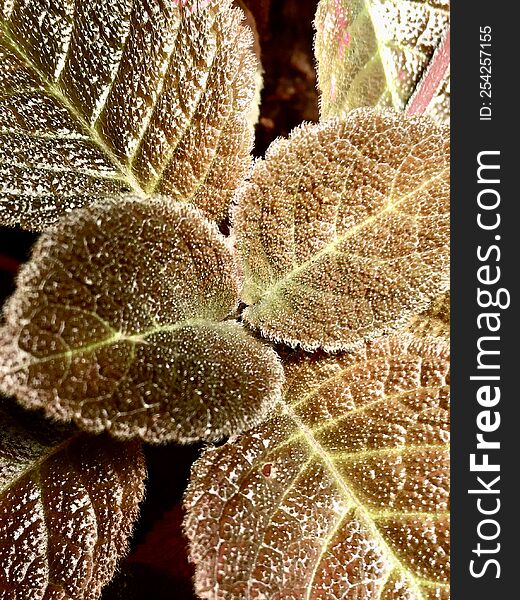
(343, 230)
(435, 320)
(121, 322)
(120, 95)
(375, 52)
(343, 493)
(67, 508)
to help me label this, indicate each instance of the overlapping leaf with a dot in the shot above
(343, 230)
(67, 507)
(121, 322)
(343, 493)
(121, 95)
(375, 52)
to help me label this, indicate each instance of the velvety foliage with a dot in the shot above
(375, 53)
(121, 322)
(343, 230)
(67, 507)
(306, 330)
(114, 95)
(435, 320)
(342, 493)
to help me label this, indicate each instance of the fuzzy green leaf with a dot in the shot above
(121, 95)
(121, 322)
(343, 230)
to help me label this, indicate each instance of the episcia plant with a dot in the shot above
(311, 341)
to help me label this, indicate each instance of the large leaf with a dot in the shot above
(343, 230)
(121, 322)
(121, 95)
(342, 494)
(67, 507)
(375, 52)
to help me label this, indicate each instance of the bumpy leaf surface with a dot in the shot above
(67, 507)
(375, 52)
(119, 322)
(121, 95)
(435, 320)
(343, 230)
(342, 494)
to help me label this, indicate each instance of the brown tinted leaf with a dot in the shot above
(343, 231)
(107, 96)
(435, 321)
(375, 52)
(67, 507)
(120, 323)
(342, 494)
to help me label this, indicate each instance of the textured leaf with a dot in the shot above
(121, 95)
(67, 507)
(435, 320)
(432, 94)
(343, 231)
(342, 494)
(119, 323)
(375, 52)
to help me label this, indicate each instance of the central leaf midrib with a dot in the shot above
(55, 91)
(388, 208)
(36, 464)
(362, 512)
(390, 84)
(118, 336)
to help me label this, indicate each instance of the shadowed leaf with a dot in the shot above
(120, 95)
(260, 10)
(343, 493)
(375, 53)
(67, 507)
(343, 230)
(120, 322)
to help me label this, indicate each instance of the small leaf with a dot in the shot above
(343, 493)
(119, 323)
(343, 230)
(108, 96)
(375, 52)
(67, 508)
(435, 320)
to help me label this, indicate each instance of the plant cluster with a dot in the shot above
(311, 336)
